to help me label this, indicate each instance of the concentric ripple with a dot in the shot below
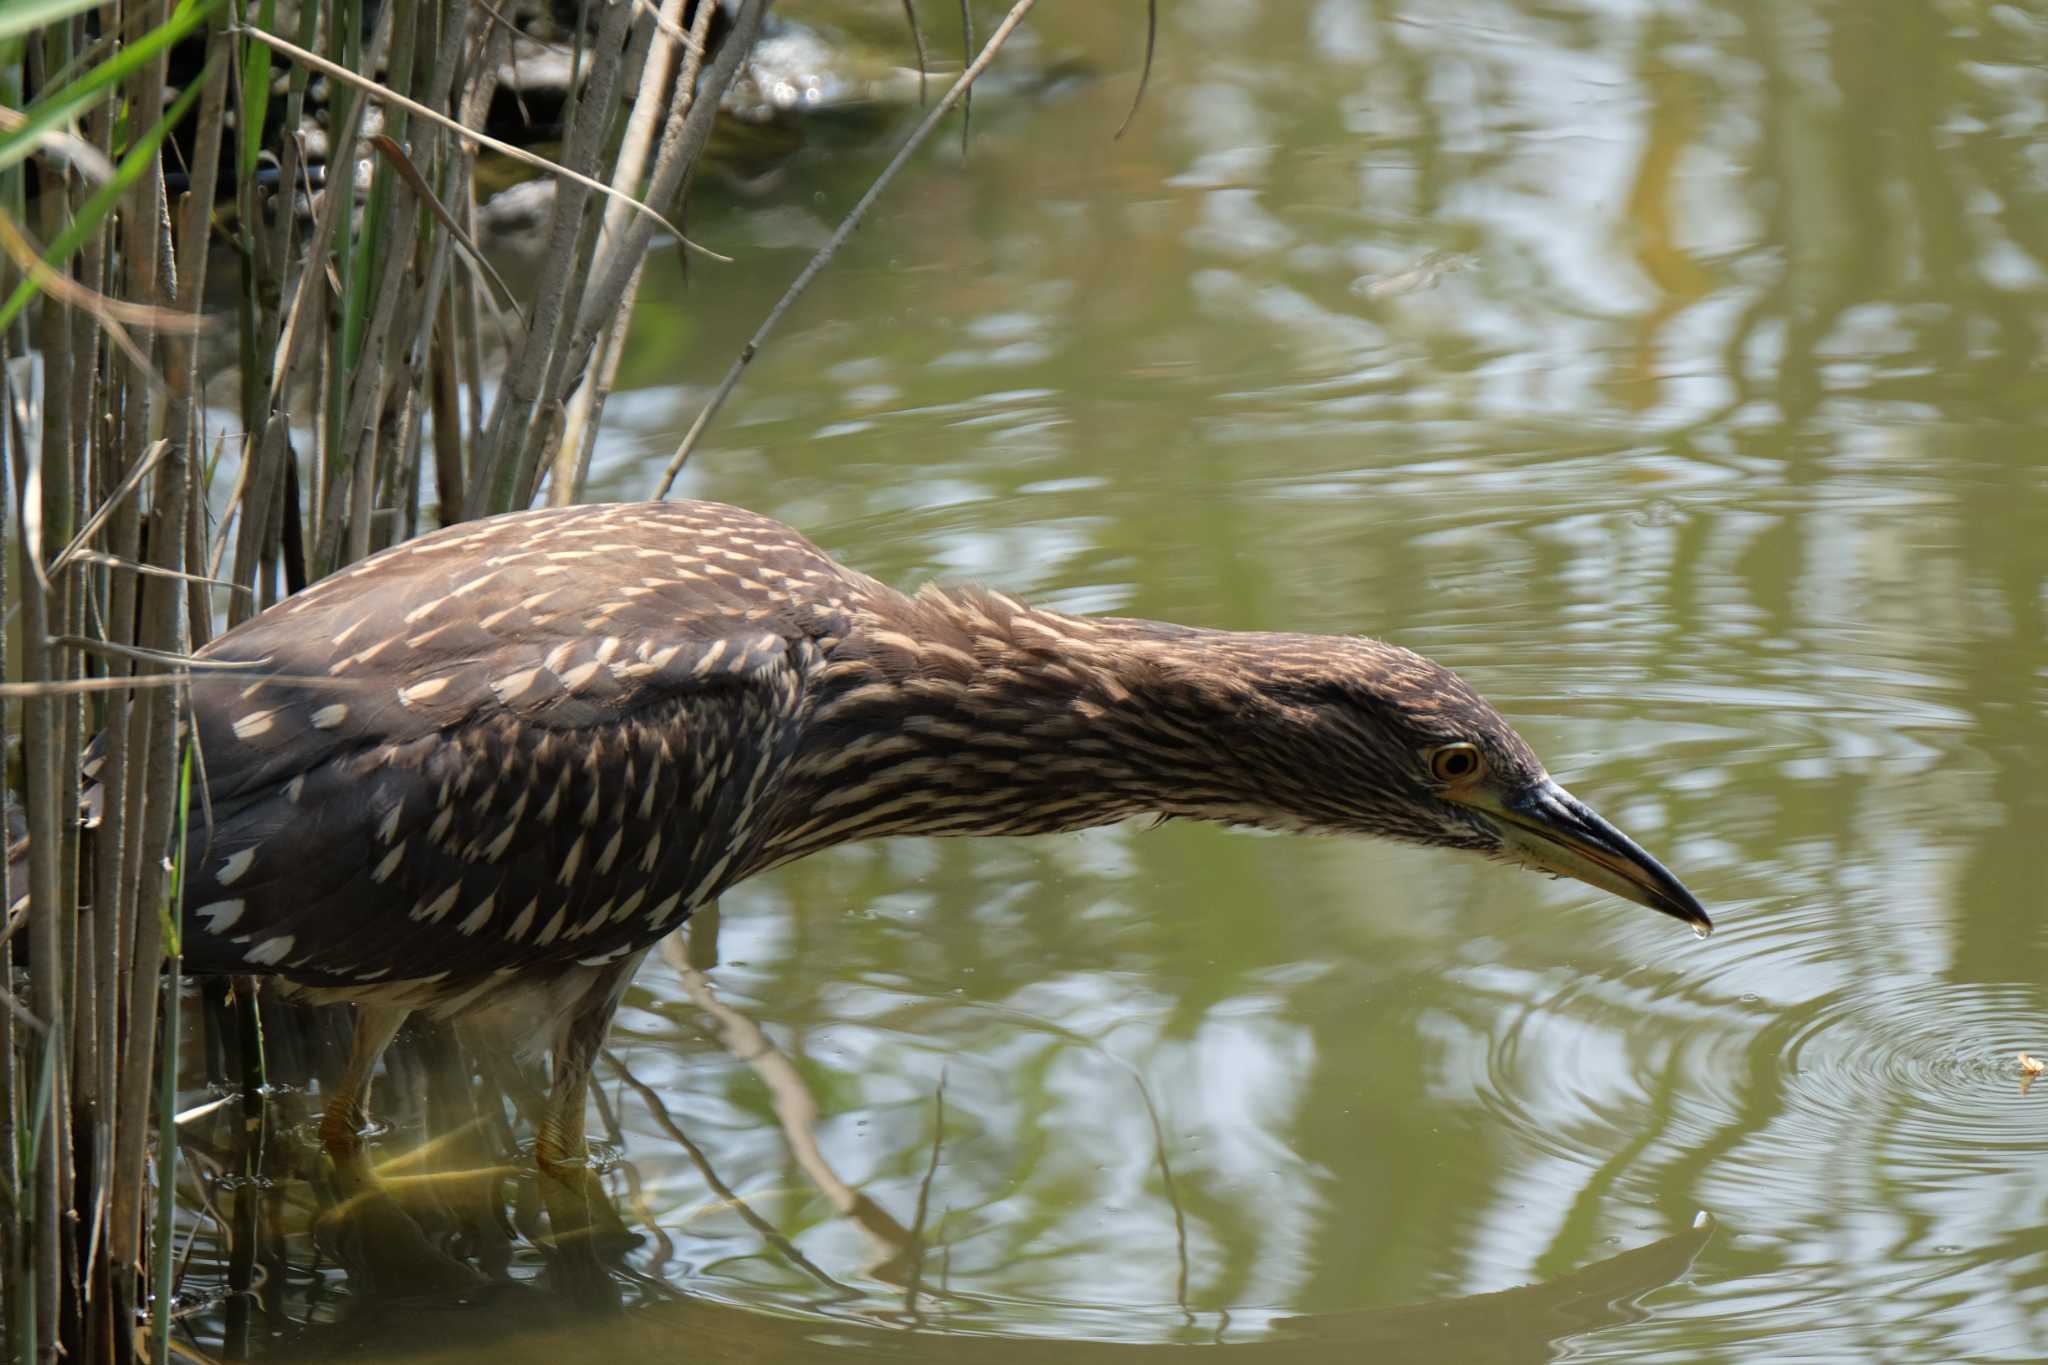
(1742, 1098)
(1939, 1060)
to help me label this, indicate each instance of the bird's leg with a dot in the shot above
(375, 1236)
(562, 1151)
(562, 1146)
(341, 1123)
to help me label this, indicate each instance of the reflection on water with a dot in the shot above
(1675, 373)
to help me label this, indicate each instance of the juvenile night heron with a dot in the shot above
(489, 768)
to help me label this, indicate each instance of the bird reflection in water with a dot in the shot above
(460, 1210)
(447, 1254)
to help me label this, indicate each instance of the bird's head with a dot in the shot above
(1368, 738)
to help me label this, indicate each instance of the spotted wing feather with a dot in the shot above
(425, 782)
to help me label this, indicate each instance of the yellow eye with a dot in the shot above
(1456, 762)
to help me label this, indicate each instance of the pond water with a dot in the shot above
(1675, 372)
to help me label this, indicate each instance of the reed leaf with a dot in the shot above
(32, 16)
(61, 106)
(140, 158)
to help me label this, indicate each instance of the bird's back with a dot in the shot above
(529, 742)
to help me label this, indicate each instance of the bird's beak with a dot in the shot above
(1546, 827)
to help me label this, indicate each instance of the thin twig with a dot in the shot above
(106, 508)
(1095, 1046)
(181, 678)
(526, 405)
(1145, 71)
(966, 51)
(21, 1011)
(1180, 1218)
(68, 686)
(109, 650)
(917, 38)
(586, 406)
(200, 1111)
(795, 1107)
(692, 45)
(818, 262)
(915, 1280)
(725, 1192)
(682, 142)
(108, 561)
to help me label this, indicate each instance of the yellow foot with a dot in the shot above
(582, 1224)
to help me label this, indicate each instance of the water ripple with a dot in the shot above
(1919, 1077)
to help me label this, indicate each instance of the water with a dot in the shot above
(1675, 372)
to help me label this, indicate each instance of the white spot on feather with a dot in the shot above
(221, 915)
(254, 724)
(433, 910)
(515, 685)
(611, 853)
(422, 691)
(327, 717)
(479, 916)
(271, 951)
(524, 921)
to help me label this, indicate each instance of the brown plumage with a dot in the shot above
(492, 766)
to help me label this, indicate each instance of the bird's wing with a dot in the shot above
(501, 838)
(424, 778)
(563, 617)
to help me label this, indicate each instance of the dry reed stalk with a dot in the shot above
(579, 435)
(116, 569)
(114, 489)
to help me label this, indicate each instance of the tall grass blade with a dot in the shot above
(140, 158)
(32, 16)
(254, 69)
(61, 106)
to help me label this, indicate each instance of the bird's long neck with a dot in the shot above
(969, 713)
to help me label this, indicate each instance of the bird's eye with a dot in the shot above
(1456, 762)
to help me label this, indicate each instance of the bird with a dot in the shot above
(484, 771)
